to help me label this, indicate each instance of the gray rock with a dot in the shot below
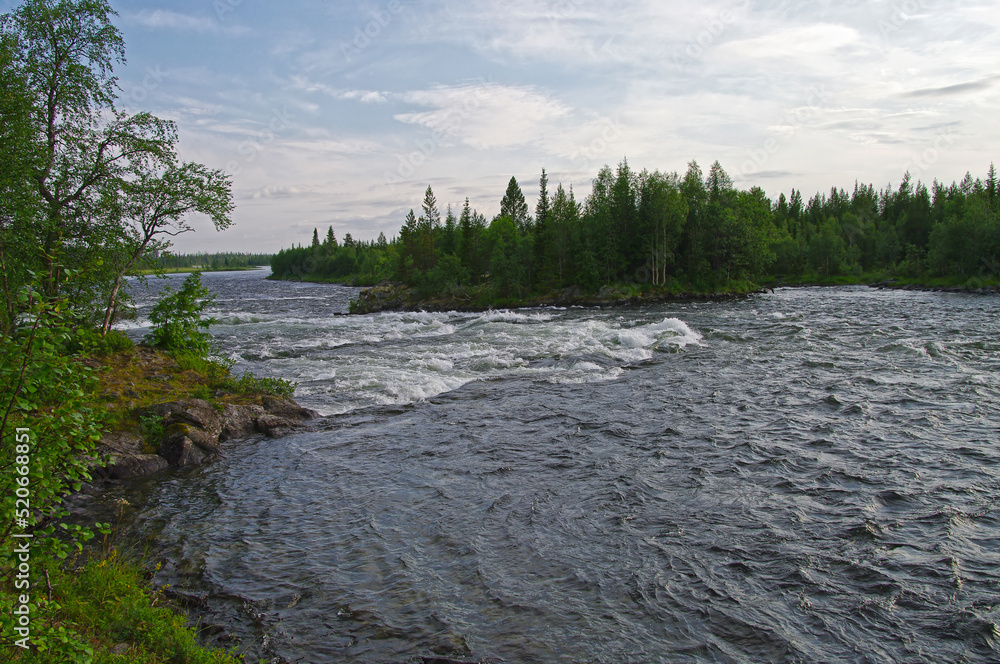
(287, 409)
(140, 465)
(238, 421)
(195, 412)
(178, 450)
(274, 426)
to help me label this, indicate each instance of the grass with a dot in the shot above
(139, 377)
(107, 611)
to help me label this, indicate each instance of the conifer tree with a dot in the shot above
(543, 233)
(514, 206)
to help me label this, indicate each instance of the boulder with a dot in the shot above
(139, 465)
(195, 412)
(238, 421)
(273, 426)
(287, 409)
(180, 451)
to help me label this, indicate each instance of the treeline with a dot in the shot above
(217, 261)
(360, 262)
(691, 231)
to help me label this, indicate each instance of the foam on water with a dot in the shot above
(402, 358)
(341, 363)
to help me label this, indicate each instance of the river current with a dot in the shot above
(811, 475)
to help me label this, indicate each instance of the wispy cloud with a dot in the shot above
(958, 88)
(166, 19)
(486, 115)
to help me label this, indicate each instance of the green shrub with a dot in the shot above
(152, 429)
(250, 384)
(177, 320)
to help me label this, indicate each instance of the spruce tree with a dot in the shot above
(543, 234)
(514, 206)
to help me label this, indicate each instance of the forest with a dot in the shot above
(227, 260)
(692, 232)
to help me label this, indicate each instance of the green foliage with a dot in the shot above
(248, 384)
(84, 183)
(206, 261)
(152, 428)
(48, 432)
(177, 318)
(106, 602)
(91, 341)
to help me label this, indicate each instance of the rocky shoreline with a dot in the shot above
(194, 434)
(391, 296)
(983, 290)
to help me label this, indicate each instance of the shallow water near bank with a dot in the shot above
(808, 476)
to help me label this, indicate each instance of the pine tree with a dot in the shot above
(331, 239)
(315, 242)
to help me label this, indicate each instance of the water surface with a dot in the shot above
(806, 476)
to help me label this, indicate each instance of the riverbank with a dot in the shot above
(392, 296)
(189, 270)
(165, 410)
(981, 285)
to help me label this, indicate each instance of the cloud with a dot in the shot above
(277, 192)
(163, 18)
(956, 89)
(486, 115)
(366, 96)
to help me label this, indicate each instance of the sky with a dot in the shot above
(342, 113)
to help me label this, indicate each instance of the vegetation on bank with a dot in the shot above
(205, 262)
(672, 233)
(89, 194)
(64, 385)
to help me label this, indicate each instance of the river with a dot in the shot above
(805, 476)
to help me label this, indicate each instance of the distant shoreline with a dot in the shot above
(189, 270)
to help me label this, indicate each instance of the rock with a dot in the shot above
(386, 296)
(196, 412)
(281, 415)
(121, 649)
(238, 421)
(287, 409)
(180, 451)
(273, 426)
(140, 465)
(187, 600)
